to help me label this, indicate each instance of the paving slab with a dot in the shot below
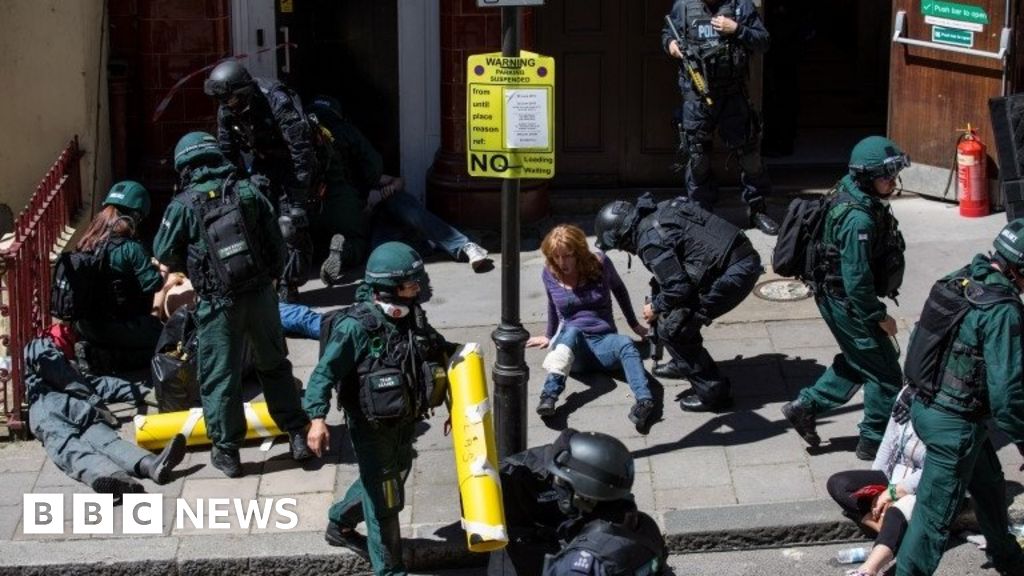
(738, 479)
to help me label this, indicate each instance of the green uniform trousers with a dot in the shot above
(223, 329)
(384, 455)
(960, 457)
(867, 358)
(342, 213)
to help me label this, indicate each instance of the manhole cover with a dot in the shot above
(782, 290)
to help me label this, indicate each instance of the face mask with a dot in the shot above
(392, 310)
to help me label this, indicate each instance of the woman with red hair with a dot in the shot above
(581, 332)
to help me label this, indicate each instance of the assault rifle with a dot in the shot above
(691, 63)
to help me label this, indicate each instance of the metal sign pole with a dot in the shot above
(510, 373)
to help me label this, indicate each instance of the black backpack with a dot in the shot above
(948, 302)
(231, 262)
(79, 288)
(797, 248)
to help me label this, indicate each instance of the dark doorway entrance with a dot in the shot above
(825, 79)
(348, 50)
(824, 86)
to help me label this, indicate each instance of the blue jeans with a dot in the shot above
(401, 213)
(299, 320)
(600, 353)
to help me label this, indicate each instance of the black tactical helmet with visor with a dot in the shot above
(590, 467)
(231, 84)
(613, 225)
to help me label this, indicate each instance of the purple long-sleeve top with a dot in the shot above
(588, 307)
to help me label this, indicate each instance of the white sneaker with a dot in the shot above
(476, 255)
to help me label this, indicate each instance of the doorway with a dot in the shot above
(348, 50)
(824, 85)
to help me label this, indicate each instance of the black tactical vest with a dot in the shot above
(724, 61)
(633, 548)
(400, 379)
(702, 240)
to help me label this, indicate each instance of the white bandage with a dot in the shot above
(559, 360)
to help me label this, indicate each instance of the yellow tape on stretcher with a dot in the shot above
(154, 431)
(476, 453)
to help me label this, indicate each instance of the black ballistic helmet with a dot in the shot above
(612, 224)
(597, 466)
(226, 79)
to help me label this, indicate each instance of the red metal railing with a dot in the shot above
(25, 278)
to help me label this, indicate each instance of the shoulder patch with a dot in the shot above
(862, 236)
(582, 563)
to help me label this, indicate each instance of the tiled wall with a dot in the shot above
(465, 30)
(156, 43)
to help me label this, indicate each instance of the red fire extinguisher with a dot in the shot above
(972, 182)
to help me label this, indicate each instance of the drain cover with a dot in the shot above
(782, 290)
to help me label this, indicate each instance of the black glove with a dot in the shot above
(901, 409)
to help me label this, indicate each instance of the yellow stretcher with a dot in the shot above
(476, 452)
(154, 431)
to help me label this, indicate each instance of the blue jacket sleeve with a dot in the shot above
(751, 32)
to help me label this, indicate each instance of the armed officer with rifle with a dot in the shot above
(714, 39)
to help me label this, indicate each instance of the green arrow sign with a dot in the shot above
(954, 11)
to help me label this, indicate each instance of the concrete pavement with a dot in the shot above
(728, 481)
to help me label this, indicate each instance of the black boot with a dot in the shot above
(866, 449)
(546, 407)
(157, 467)
(670, 370)
(118, 484)
(297, 443)
(691, 402)
(640, 415)
(346, 537)
(227, 461)
(802, 421)
(757, 217)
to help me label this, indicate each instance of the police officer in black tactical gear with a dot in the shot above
(718, 37)
(569, 510)
(702, 267)
(262, 128)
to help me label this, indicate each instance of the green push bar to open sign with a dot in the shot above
(954, 11)
(953, 36)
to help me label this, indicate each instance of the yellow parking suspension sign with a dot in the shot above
(510, 115)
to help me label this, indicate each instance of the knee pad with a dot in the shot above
(559, 360)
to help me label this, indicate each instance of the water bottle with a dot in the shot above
(852, 555)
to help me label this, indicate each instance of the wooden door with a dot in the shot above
(584, 36)
(934, 91)
(651, 95)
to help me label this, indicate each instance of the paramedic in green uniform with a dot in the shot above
(862, 262)
(982, 380)
(228, 316)
(374, 349)
(123, 333)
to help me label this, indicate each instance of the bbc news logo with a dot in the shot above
(144, 513)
